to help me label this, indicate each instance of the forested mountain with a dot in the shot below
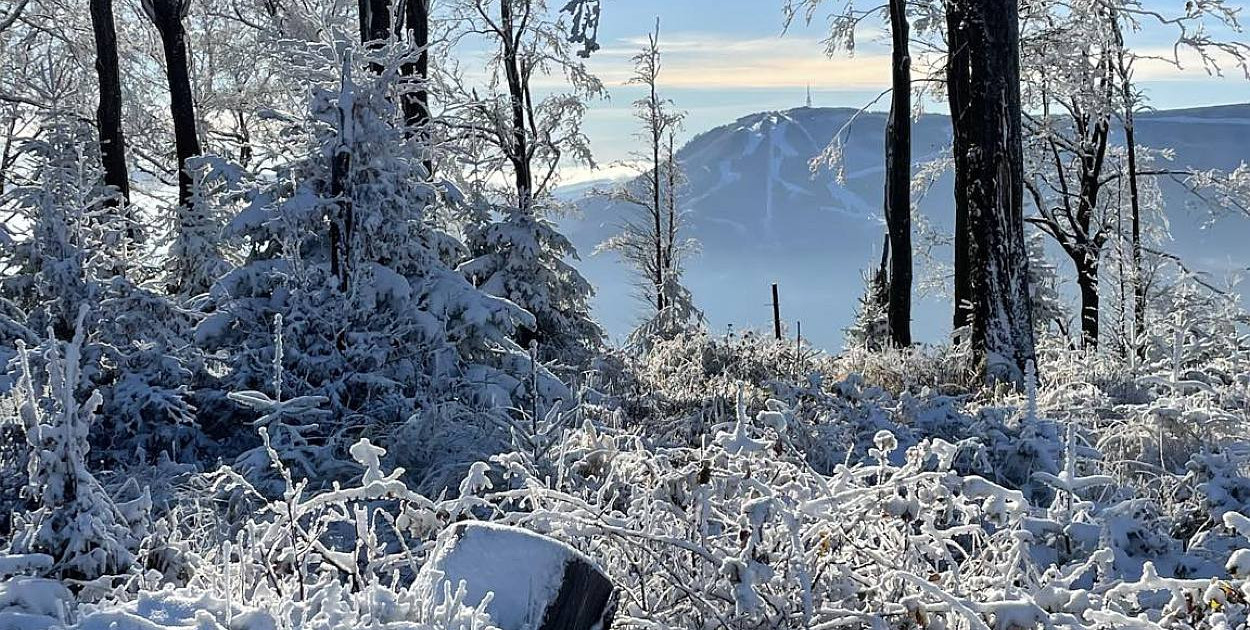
(762, 214)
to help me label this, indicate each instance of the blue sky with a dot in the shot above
(727, 58)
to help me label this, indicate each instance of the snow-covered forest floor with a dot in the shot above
(720, 483)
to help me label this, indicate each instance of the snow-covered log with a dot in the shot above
(533, 581)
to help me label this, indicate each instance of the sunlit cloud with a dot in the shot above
(1183, 64)
(715, 61)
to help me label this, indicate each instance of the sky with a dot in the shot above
(724, 59)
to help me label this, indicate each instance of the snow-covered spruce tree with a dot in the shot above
(521, 257)
(77, 250)
(374, 320)
(517, 253)
(46, 264)
(75, 521)
(871, 328)
(1048, 305)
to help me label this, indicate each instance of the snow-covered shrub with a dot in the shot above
(1186, 393)
(947, 369)
(740, 531)
(1049, 310)
(74, 521)
(332, 559)
(680, 315)
(696, 370)
(871, 328)
(196, 257)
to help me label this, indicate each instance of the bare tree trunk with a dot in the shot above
(670, 243)
(656, 212)
(990, 126)
(957, 83)
(109, 110)
(341, 225)
(375, 20)
(167, 15)
(898, 180)
(519, 152)
(417, 103)
(1087, 280)
(1139, 284)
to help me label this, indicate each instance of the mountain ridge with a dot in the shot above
(763, 215)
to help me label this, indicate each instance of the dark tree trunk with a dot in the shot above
(957, 82)
(670, 244)
(341, 225)
(417, 103)
(1139, 279)
(656, 213)
(898, 179)
(167, 15)
(518, 153)
(1088, 253)
(990, 125)
(1125, 72)
(375, 20)
(1134, 198)
(109, 111)
(1087, 280)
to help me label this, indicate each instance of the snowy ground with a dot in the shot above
(871, 492)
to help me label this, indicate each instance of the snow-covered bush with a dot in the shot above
(75, 521)
(871, 328)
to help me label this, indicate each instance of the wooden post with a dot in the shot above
(776, 314)
(798, 348)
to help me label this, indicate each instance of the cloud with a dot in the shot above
(707, 60)
(1183, 64)
(712, 60)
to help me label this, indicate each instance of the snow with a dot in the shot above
(33, 598)
(25, 564)
(181, 609)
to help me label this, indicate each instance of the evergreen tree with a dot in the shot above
(383, 329)
(517, 253)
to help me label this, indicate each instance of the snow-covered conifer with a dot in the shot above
(343, 248)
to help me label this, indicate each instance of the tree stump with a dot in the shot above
(538, 583)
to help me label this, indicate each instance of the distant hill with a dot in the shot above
(762, 215)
